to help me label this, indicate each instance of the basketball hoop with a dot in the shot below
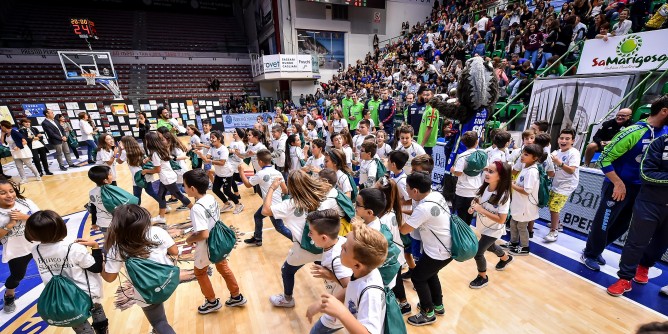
(90, 78)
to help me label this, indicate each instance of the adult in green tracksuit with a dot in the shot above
(356, 113)
(428, 129)
(372, 107)
(346, 103)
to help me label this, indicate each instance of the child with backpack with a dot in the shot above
(499, 149)
(100, 217)
(566, 178)
(219, 157)
(335, 160)
(466, 170)
(255, 144)
(56, 256)
(369, 166)
(409, 146)
(325, 226)
(204, 216)
(524, 203)
(107, 154)
(395, 163)
(264, 178)
(237, 145)
(294, 154)
(134, 155)
(359, 138)
(178, 152)
(132, 237)
(345, 205)
(160, 157)
(14, 211)
(492, 205)
(195, 141)
(431, 217)
(362, 306)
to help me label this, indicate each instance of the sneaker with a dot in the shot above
(182, 208)
(618, 288)
(48, 173)
(172, 200)
(63, 168)
(510, 245)
(39, 178)
(236, 301)
(10, 306)
(501, 266)
(209, 307)
(479, 282)
(158, 220)
(438, 309)
(227, 207)
(520, 251)
(238, 209)
(590, 263)
(641, 275)
(600, 260)
(551, 237)
(280, 301)
(407, 275)
(421, 319)
(23, 181)
(405, 308)
(253, 241)
(168, 209)
(560, 228)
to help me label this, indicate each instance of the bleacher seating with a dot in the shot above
(201, 33)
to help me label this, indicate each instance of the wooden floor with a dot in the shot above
(531, 296)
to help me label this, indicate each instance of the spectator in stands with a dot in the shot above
(595, 28)
(36, 144)
(216, 84)
(58, 139)
(620, 161)
(606, 132)
(70, 133)
(623, 26)
(614, 9)
(88, 132)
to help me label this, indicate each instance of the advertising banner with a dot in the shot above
(440, 159)
(642, 51)
(34, 110)
(271, 63)
(289, 63)
(232, 121)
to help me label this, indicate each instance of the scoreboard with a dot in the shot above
(355, 3)
(84, 28)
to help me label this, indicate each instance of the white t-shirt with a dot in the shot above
(221, 154)
(312, 134)
(367, 308)
(401, 185)
(279, 150)
(103, 216)
(338, 125)
(413, 150)
(431, 217)
(102, 157)
(342, 182)
(206, 140)
(194, 141)
(348, 151)
(384, 151)
(233, 160)
(158, 254)
(134, 169)
(496, 154)
(564, 183)
(296, 154)
(77, 261)
(368, 172)
(14, 243)
(177, 152)
(467, 186)
(524, 208)
(255, 148)
(265, 177)
(318, 163)
(166, 175)
(293, 218)
(204, 215)
(331, 259)
(86, 131)
(485, 225)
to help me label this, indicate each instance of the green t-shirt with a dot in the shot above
(557, 70)
(429, 119)
(165, 123)
(373, 109)
(356, 110)
(346, 103)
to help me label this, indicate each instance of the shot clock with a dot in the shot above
(84, 28)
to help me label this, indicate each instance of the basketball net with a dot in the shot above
(90, 78)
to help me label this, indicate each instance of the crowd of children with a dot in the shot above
(312, 183)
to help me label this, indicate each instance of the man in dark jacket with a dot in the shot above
(648, 236)
(57, 139)
(605, 133)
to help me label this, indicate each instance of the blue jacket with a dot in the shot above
(654, 172)
(386, 115)
(16, 136)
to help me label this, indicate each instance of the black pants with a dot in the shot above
(612, 219)
(17, 270)
(426, 282)
(236, 178)
(226, 184)
(172, 189)
(486, 244)
(399, 289)
(647, 239)
(460, 206)
(39, 159)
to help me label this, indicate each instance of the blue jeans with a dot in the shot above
(543, 62)
(319, 328)
(91, 147)
(288, 273)
(136, 190)
(514, 86)
(278, 224)
(532, 56)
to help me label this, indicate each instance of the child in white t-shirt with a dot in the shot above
(408, 145)
(204, 215)
(107, 154)
(368, 172)
(335, 160)
(566, 178)
(524, 203)
(294, 154)
(362, 132)
(467, 185)
(100, 217)
(58, 255)
(384, 149)
(237, 145)
(312, 133)
(528, 137)
(499, 150)
(316, 162)
(219, 157)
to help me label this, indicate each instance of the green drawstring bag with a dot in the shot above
(389, 269)
(394, 320)
(5, 152)
(195, 160)
(140, 179)
(155, 282)
(464, 242)
(113, 196)
(175, 165)
(62, 303)
(221, 241)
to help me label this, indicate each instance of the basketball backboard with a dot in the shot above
(77, 62)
